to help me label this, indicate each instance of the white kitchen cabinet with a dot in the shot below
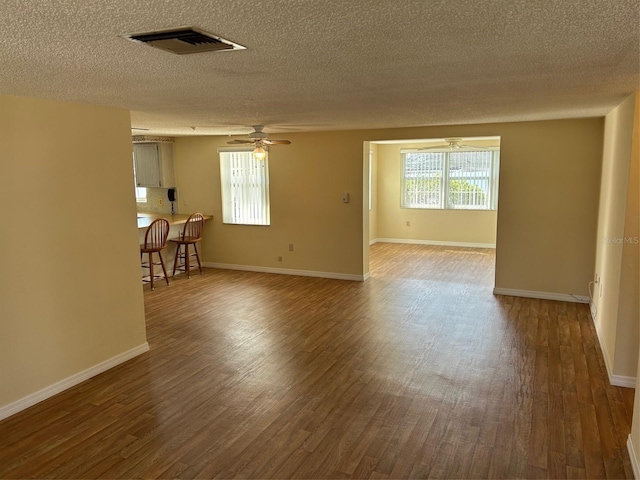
(153, 163)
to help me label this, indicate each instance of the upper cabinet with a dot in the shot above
(153, 163)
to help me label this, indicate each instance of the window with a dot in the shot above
(446, 179)
(141, 195)
(141, 192)
(245, 188)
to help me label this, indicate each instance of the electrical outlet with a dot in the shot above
(291, 247)
(408, 223)
(159, 202)
(279, 259)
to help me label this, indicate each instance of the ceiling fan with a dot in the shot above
(454, 143)
(259, 139)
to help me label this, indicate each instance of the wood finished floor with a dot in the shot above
(420, 372)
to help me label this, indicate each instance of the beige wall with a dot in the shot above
(616, 309)
(549, 182)
(70, 288)
(307, 180)
(455, 226)
(635, 426)
(628, 311)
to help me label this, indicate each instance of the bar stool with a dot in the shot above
(155, 240)
(191, 235)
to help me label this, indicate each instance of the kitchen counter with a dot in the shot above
(145, 219)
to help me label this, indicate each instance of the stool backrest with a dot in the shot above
(193, 227)
(157, 233)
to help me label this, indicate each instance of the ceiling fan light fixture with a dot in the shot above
(259, 139)
(259, 153)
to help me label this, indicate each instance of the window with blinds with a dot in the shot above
(245, 188)
(450, 179)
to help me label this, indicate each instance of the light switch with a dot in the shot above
(345, 197)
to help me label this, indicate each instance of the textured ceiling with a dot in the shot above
(327, 64)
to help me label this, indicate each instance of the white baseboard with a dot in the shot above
(634, 459)
(622, 381)
(51, 390)
(286, 271)
(561, 297)
(433, 242)
(616, 380)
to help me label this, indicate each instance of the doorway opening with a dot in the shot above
(437, 192)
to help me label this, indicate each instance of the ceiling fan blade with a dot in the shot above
(435, 147)
(268, 141)
(452, 148)
(238, 141)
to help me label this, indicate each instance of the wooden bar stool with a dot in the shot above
(155, 240)
(191, 235)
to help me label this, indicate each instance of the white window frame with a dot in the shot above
(141, 195)
(444, 204)
(244, 187)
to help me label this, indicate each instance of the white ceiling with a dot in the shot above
(327, 64)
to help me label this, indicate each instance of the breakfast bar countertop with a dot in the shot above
(145, 219)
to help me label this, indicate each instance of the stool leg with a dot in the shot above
(195, 248)
(186, 259)
(151, 268)
(166, 277)
(175, 260)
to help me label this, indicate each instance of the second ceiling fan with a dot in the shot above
(453, 143)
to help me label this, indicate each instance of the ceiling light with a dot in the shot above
(259, 153)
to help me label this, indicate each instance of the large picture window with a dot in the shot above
(245, 188)
(450, 179)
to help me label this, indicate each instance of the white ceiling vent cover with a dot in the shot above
(184, 40)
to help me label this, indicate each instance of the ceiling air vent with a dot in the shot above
(184, 40)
